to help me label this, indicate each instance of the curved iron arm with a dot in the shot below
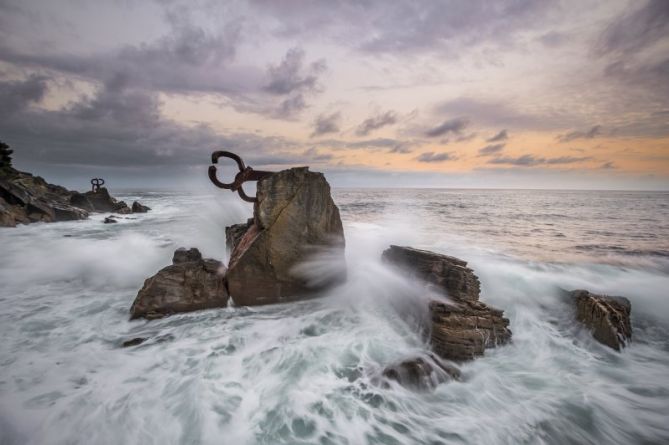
(245, 174)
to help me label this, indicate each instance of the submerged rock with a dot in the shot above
(295, 219)
(607, 317)
(461, 327)
(139, 208)
(133, 342)
(464, 330)
(109, 220)
(190, 283)
(448, 274)
(421, 373)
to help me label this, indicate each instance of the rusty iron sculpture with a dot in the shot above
(97, 183)
(246, 173)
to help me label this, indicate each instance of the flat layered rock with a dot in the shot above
(294, 219)
(608, 318)
(464, 330)
(191, 283)
(447, 274)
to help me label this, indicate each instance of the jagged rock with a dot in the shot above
(463, 327)
(102, 201)
(234, 233)
(421, 373)
(463, 330)
(81, 200)
(190, 283)
(448, 274)
(607, 317)
(27, 198)
(139, 208)
(294, 218)
(109, 220)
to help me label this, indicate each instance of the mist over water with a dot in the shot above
(309, 372)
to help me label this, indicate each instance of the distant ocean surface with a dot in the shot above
(307, 373)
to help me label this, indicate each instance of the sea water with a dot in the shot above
(309, 372)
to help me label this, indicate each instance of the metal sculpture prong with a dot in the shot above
(97, 183)
(245, 174)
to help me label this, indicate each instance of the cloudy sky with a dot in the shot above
(452, 93)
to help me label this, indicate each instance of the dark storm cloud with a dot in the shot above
(326, 123)
(450, 126)
(489, 150)
(589, 134)
(531, 160)
(499, 137)
(120, 126)
(17, 95)
(431, 157)
(376, 122)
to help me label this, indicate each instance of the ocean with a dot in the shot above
(309, 372)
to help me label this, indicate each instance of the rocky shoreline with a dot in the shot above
(26, 199)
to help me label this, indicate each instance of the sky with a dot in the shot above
(569, 94)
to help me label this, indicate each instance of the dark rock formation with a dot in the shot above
(25, 198)
(190, 283)
(109, 220)
(462, 331)
(463, 327)
(133, 342)
(234, 233)
(607, 317)
(139, 208)
(294, 218)
(446, 273)
(421, 373)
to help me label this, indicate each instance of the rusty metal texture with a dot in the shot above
(96, 183)
(246, 173)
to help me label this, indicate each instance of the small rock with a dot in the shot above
(139, 208)
(421, 373)
(449, 274)
(134, 342)
(190, 283)
(109, 220)
(607, 317)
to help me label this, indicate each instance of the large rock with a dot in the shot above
(139, 208)
(294, 220)
(464, 330)
(447, 274)
(607, 317)
(190, 283)
(102, 201)
(461, 326)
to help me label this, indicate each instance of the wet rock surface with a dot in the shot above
(139, 208)
(294, 219)
(462, 327)
(421, 373)
(109, 220)
(447, 274)
(608, 318)
(190, 283)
